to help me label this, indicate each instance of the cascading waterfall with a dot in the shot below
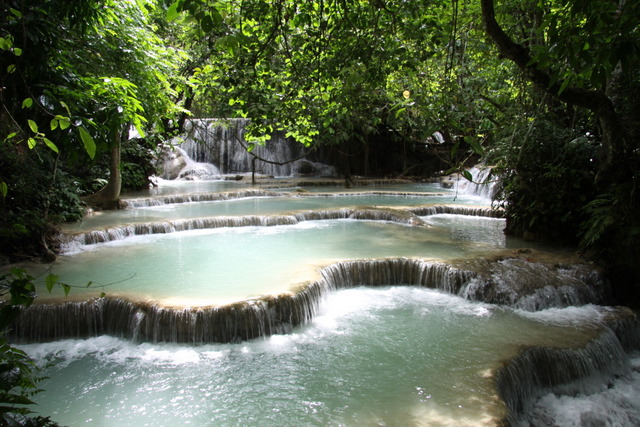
(536, 371)
(221, 142)
(409, 216)
(483, 184)
(275, 314)
(524, 378)
(197, 197)
(522, 280)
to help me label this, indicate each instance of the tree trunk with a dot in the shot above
(594, 100)
(108, 197)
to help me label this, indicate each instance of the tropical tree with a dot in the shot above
(584, 57)
(80, 76)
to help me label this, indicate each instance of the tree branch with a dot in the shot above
(593, 100)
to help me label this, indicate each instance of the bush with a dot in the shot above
(547, 177)
(40, 194)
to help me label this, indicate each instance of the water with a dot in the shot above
(222, 265)
(254, 205)
(390, 356)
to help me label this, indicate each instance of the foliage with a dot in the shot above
(547, 178)
(39, 194)
(74, 102)
(19, 375)
(137, 164)
(584, 41)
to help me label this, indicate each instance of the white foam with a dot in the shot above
(568, 315)
(614, 404)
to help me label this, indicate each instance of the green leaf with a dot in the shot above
(16, 13)
(4, 189)
(50, 281)
(50, 144)
(66, 289)
(17, 51)
(467, 175)
(475, 146)
(66, 107)
(565, 84)
(64, 123)
(172, 12)
(27, 103)
(11, 69)
(32, 143)
(11, 135)
(54, 124)
(5, 43)
(33, 126)
(89, 143)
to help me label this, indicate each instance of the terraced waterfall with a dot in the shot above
(289, 304)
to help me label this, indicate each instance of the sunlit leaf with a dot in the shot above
(33, 126)
(172, 12)
(27, 103)
(50, 144)
(89, 143)
(64, 123)
(50, 281)
(31, 143)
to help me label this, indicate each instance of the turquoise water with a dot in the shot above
(203, 267)
(392, 356)
(254, 206)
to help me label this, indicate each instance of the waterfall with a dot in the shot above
(536, 371)
(410, 216)
(177, 164)
(221, 142)
(514, 281)
(483, 184)
(196, 197)
(481, 280)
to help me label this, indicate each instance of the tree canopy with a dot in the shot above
(548, 92)
(362, 76)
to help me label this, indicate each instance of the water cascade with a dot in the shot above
(221, 142)
(415, 305)
(483, 184)
(264, 316)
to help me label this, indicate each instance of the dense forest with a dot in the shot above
(547, 92)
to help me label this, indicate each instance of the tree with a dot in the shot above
(586, 54)
(329, 73)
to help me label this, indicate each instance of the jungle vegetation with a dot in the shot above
(546, 91)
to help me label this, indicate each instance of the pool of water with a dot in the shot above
(256, 206)
(390, 356)
(202, 267)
